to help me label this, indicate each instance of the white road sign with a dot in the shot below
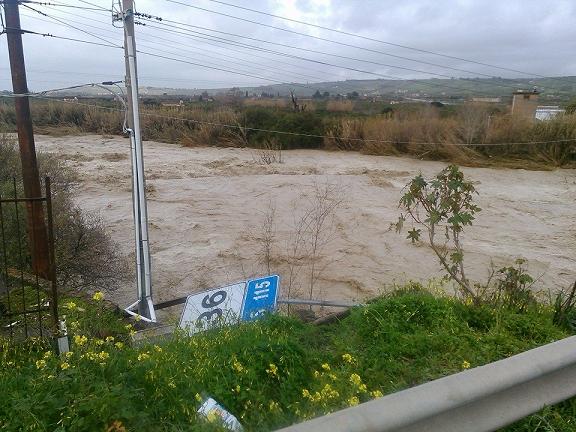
(244, 301)
(216, 306)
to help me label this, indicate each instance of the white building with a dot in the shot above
(545, 113)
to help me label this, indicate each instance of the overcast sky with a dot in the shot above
(536, 36)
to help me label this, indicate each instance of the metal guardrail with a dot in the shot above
(482, 399)
(302, 302)
(325, 303)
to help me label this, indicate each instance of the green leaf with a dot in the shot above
(456, 257)
(414, 235)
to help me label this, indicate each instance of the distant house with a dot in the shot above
(173, 105)
(545, 113)
(524, 103)
(487, 99)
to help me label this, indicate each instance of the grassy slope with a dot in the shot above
(269, 374)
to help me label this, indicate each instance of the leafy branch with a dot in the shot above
(445, 205)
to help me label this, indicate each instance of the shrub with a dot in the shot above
(86, 256)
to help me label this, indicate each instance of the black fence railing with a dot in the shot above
(28, 291)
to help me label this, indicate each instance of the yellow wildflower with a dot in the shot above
(326, 366)
(109, 338)
(274, 406)
(237, 388)
(353, 401)
(68, 354)
(98, 296)
(157, 348)
(70, 305)
(362, 388)
(273, 370)
(348, 358)
(80, 340)
(198, 397)
(328, 392)
(99, 342)
(376, 394)
(465, 365)
(103, 355)
(40, 364)
(355, 379)
(305, 393)
(143, 356)
(64, 365)
(316, 374)
(47, 354)
(119, 345)
(171, 384)
(137, 317)
(237, 366)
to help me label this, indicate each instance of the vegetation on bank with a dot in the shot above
(268, 374)
(87, 257)
(451, 133)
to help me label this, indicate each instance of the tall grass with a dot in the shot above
(469, 134)
(454, 139)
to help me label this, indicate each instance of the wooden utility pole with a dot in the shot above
(37, 235)
(144, 304)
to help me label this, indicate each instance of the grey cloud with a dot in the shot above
(536, 36)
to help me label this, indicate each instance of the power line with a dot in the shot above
(149, 114)
(284, 54)
(172, 41)
(330, 40)
(226, 55)
(380, 41)
(65, 38)
(66, 5)
(93, 4)
(69, 25)
(207, 43)
(149, 17)
(161, 21)
(169, 58)
(305, 49)
(215, 68)
(283, 70)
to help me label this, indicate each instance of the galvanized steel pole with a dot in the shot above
(31, 178)
(143, 266)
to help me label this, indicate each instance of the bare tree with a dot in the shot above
(472, 122)
(326, 200)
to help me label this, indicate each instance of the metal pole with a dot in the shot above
(31, 178)
(53, 286)
(145, 305)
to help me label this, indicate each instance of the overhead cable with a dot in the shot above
(531, 74)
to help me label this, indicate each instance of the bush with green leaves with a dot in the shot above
(443, 206)
(86, 255)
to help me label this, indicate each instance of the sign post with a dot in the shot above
(244, 301)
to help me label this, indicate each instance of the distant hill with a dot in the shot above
(553, 89)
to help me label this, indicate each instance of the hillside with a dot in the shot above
(554, 89)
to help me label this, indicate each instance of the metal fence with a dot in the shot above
(28, 292)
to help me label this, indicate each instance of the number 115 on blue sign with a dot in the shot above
(261, 295)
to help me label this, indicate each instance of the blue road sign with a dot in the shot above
(261, 295)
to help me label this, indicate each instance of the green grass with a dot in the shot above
(269, 374)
